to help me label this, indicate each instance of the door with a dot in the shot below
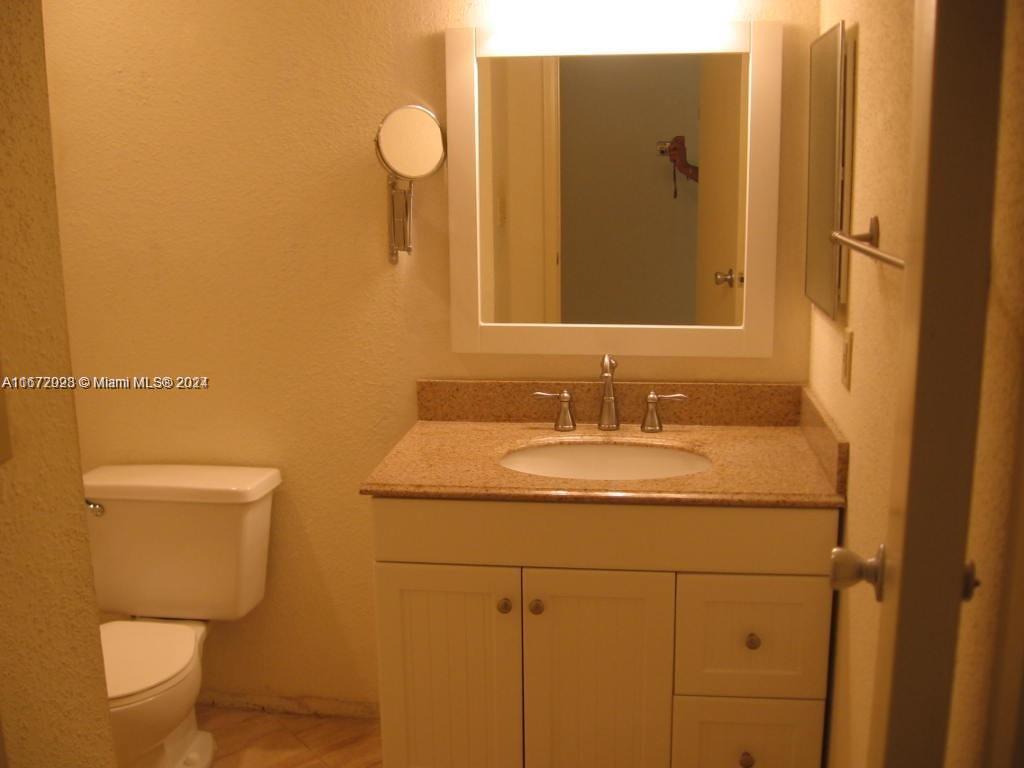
(597, 668)
(956, 94)
(451, 666)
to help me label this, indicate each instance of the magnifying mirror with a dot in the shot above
(410, 146)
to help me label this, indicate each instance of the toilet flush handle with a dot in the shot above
(95, 507)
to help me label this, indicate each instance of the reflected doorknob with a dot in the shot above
(849, 568)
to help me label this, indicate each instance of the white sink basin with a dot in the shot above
(604, 461)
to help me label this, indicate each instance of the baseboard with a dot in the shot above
(296, 705)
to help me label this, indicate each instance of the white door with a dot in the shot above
(956, 90)
(451, 666)
(598, 668)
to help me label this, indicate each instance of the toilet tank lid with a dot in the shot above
(180, 482)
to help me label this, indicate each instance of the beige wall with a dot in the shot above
(865, 412)
(53, 700)
(223, 214)
(1000, 415)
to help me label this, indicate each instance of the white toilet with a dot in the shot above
(172, 546)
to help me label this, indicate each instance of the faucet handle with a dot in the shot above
(566, 419)
(608, 364)
(652, 419)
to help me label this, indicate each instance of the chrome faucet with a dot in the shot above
(609, 411)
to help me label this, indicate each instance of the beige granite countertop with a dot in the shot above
(762, 466)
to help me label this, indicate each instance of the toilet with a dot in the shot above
(172, 547)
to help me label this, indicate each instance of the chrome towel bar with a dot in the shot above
(867, 243)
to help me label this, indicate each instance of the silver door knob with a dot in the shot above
(747, 760)
(504, 605)
(849, 568)
(536, 607)
(725, 278)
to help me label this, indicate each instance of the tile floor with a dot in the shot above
(255, 739)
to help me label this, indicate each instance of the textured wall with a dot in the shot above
(865, 413)
(223, 214)
(992, 500)
(53, 700)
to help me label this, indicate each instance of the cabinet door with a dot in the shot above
(597, 668)
(451, 666)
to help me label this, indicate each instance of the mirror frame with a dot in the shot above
(762, 41)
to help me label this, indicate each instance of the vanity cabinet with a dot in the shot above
(540, 635)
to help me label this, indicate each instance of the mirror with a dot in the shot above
(827, 201)
(612, 196)
(410, 145)
(597, 216)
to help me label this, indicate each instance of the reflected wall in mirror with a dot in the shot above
(613, 189)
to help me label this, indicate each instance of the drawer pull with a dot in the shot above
(536, 607)
(747, 760)
(753, 643)
(504, 605)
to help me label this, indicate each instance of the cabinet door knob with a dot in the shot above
(504, 605)
(747, 760)
(753, 643)
(536, 607)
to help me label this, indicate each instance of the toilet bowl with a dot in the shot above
(153, 671)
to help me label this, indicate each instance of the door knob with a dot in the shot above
(504, 605)
(747, 760)
(849, 568)
(536, 607)
(971, 581)
(725, 278)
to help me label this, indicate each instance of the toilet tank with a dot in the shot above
(180, 541)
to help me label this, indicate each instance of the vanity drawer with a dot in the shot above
(752, 635)
(746, 733)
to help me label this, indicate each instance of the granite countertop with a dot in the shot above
(761, 466)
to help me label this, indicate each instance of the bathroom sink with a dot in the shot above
(604, 461)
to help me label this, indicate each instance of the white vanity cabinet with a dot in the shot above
(540, 635)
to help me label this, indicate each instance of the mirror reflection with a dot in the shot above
(613, 189)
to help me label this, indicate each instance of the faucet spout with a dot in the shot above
(609, 419)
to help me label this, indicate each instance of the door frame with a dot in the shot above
(956, 83)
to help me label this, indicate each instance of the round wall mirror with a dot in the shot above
(410, 143)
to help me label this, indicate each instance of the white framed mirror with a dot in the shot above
(604, 196)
